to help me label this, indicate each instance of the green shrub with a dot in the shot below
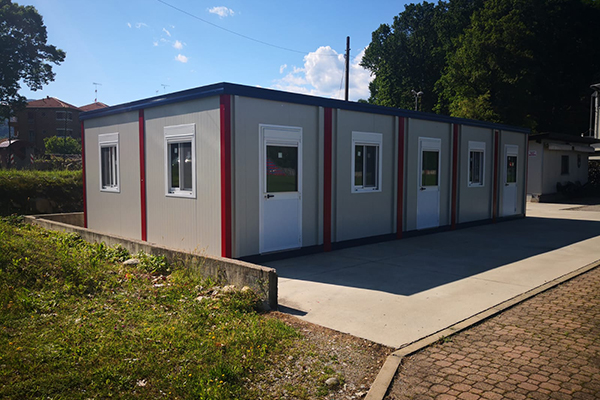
(35, 192)
(62, 145)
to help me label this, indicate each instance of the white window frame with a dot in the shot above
(476, 147)
(173, 135)
(108, 140)
(366, 139)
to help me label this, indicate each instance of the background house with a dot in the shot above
(44, 118)
(555, 160)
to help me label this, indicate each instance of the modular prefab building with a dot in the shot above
(239, 171)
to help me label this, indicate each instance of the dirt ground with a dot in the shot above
(321, 354)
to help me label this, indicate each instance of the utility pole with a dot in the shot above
(347, 66)
(164, 87)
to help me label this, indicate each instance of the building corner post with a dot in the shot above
(226, 211)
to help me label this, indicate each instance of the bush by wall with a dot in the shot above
(40, 192)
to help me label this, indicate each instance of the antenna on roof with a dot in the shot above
(96, 91)
(164, 87)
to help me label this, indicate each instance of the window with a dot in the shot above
(31, 117)
(60, 115)
(366, 162)
(476, 163)
(564, 165)
(61, 132)
(180, 160)
(32, 136)
(108, 145)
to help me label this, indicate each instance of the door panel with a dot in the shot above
(509, 190)
(280, 188)
(428, 189)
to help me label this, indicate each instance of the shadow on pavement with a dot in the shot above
(417, 264)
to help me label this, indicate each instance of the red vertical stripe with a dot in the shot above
(226, 175)
(400, 204)
(496, 162)
(85, 224)
(526, 175)
(327, 180)
(454, 174)
(142, 144)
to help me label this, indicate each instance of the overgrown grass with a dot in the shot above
(21, 189)
(77, 323)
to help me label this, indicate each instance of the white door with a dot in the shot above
(428, 183)
(280, 188)
(509, 191)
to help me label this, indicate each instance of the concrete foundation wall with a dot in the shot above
(262, 280)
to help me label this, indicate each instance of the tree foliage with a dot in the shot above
(62, 145)
(521, 62)
(24, 55)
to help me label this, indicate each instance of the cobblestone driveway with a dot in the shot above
(545, 348)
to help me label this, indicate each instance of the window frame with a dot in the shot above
(366, 139)
(476, 147)
(563, 170)
(178, 134)
(109, 140)
(67, 115)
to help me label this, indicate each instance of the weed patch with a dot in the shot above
(76, 322)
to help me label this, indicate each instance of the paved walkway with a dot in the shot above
(398, 292)
(545, 348)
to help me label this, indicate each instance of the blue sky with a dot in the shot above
(133, 47)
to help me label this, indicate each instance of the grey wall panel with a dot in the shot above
(115, 213)
(475, 203)
(360, 215)
(518, 139)
(185, 223)
(440, 130)
(534, 168)
(249, 114)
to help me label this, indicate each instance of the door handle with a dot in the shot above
(268, 196)
(422, 188)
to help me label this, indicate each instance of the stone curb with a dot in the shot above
(384, 378)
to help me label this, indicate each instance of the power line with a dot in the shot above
(236, 33)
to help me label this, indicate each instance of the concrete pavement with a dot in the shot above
(397, 292)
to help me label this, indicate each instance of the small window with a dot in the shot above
(564, 165)
(60, 115)
(476, 164)
(108, 145)
(366, 162)
(180, 160)
(60, 132)
(32, 136)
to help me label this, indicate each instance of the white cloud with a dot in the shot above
(167, 32)
(155, 43)
(181, 58)
(282, 68)
(129, 24)
(322, 76)
(178, 45)
(221, 11)
(140, 25)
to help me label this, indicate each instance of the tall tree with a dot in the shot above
(24, 55)
(527, 63)
(411, 53)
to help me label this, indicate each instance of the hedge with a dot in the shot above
(40, 192)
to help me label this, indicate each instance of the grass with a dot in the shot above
(76, 323)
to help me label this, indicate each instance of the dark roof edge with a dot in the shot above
(564, 137)
(277, 95)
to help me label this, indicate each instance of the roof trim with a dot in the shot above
(277, 95)
(563, 137)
